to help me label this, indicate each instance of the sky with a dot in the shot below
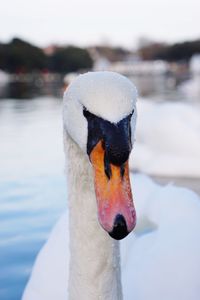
(89, 22)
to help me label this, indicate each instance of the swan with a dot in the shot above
(81, 259)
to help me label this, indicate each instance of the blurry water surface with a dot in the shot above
(32, 185)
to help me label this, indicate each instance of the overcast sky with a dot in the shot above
(84, 22)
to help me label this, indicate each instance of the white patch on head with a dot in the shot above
(108, 95)
(105, 94)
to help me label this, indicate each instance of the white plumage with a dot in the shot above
(160, 260)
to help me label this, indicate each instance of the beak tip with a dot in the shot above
(119, 230)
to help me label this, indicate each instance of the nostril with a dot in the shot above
(119, 228)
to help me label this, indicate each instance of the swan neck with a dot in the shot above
(94, 257)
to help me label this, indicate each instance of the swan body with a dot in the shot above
(167, 139)
(80, 260)
(159, 260)
(191, 87)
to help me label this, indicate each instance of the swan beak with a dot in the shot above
(116, 212)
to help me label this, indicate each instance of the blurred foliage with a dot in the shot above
(177, 52)
(181, 51)
(69, 59)
(113, 54)
(151, 50)
(19, 56)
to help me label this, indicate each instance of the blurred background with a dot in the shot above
(44, 45)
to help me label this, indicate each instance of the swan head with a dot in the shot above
(99, 114)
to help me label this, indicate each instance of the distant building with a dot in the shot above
(101, 64)
(132, 65)
(195, 64)
(4, 78)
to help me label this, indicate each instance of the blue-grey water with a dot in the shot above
(32, 185)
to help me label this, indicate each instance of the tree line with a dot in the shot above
(172, 53)
(20, 56)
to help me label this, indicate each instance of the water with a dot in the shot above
(32, 185)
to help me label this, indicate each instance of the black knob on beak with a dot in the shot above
(119, 228)
(118, 154)
(117, 140)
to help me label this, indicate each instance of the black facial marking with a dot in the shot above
(94, 130)
(122, 170)
(107, 167)
(103, 145)
(115, 137)
(117, 141)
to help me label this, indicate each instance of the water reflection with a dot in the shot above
(32, 85)
(158, 86)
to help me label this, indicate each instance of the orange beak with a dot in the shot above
(116, 212)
